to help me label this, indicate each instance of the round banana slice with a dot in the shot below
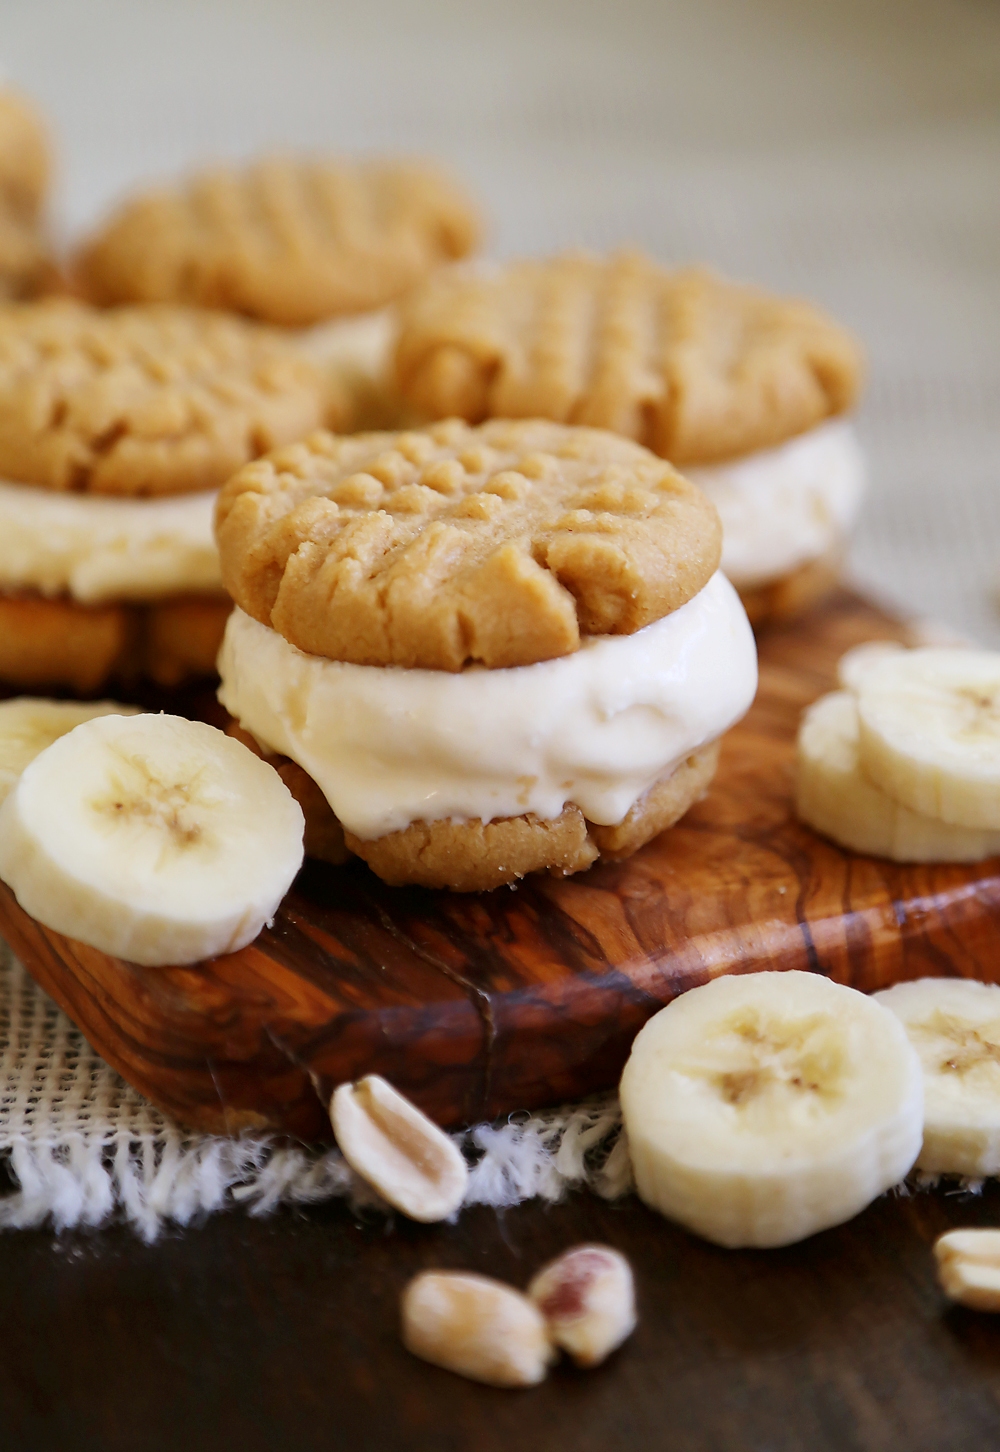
(761, 1108)
(930, 733)
(862, 660)
(954, 1025)
(30, 723)
(157, 839)
(833, 795)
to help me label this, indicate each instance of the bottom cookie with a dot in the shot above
(477, 856)
(792, 595)
(62, 645)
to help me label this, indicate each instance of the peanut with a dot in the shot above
(477, 1327)
(969, 1267)
(587, 1297)
(388, 1141)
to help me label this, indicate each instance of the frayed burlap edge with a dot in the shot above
(85, 1180)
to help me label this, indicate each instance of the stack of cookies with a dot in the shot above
(743, 391)
(505, 640)
(116, 429)
(120, 419)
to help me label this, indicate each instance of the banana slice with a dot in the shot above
(833, 795)
(930, 733)
(861, 660)
(29, 723)
(764, 1107)
(954, 1025)
(153, 838)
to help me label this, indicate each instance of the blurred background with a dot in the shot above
(844, 149)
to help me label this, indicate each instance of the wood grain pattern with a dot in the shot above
(476, 1006)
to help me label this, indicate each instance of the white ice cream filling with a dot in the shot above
(361, 344)
(98, 549)
(390, 746)
(782, 508)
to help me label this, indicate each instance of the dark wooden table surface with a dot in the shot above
(280, 1336)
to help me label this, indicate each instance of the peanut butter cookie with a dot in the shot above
(144, 401)
(58, 644)
(478, 856)
(696, 368)
(498, 545)
(25, 168)
(288, 240)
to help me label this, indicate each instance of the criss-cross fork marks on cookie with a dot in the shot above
(694, 367)
(145, 400)
(499, 545)
(290, 240)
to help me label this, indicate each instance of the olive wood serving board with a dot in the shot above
(476, 1006)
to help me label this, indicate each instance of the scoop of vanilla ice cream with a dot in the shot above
(783, 507)
(390, 746)
(97, 549)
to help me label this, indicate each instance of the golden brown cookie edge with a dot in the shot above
(59, 644)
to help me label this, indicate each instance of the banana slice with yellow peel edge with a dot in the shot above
(28, 724)
(764, 1107)
(835, 797)
(954, 1025)
(154, 838)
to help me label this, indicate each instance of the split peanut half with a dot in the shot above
(394, 1147)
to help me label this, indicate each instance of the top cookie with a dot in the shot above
(144, 400)
(288, 240)
(696, 368)
(500, 544)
